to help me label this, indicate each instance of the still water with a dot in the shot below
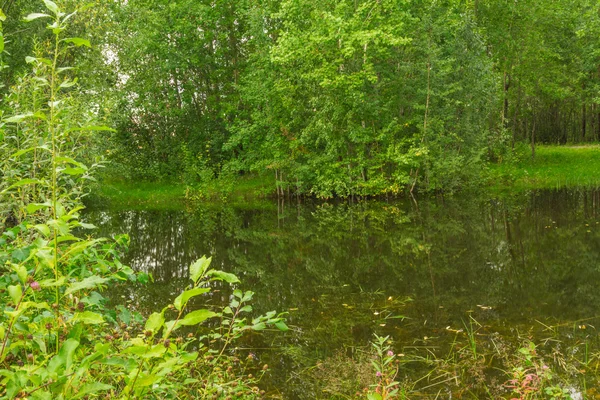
(430, 273)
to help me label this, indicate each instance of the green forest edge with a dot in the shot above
(58, 338)
(331, 98)
(554, 167)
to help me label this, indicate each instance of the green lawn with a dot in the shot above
(553, 167)
(173, 196)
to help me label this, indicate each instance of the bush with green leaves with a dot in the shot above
(59, 339)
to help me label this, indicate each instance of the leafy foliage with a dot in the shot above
(58, 337)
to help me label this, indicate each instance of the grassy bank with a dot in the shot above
(168, 195)
(553, 167)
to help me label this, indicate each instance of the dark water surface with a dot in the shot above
(515, 265)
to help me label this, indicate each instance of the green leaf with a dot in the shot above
(18, 118)
(196, 317)
(281, 326)
(198, 269)
(21, 273)
(88, 283)
(259, 327)
(15, 292)
(2, 16)
(60, 225)
(50, 5)
(20, 254)
(33, 16)
(33, 207)
(90, 388)
(64, 357)
(223, 276)
(43, 229)
(68, 84)
(23, 182)
(155, 322)
(146, 380)
(91, 128)
(73, 171)
(145, 351)
(78, 42)
(183, 298)
(88, 317)
(373, 396)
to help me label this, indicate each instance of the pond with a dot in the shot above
(458, 284)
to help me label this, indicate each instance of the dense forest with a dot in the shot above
(327, 97)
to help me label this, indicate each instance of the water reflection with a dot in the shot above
(509, 261)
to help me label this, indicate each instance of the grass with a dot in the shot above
(243, 191)
(554, 167)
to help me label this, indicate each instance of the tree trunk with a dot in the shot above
(533, 141)
(583, 122)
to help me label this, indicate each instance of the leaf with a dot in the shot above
(196, 317)
(15, 292)
(373, 396)
(2, 16)
(64, 356)
(198, 268)
(33, 207)
(88, 283)
(43, 229)
(259, 327)
(155, 322)
(223, 276)
(21, 152)
(146, 380)
(69, 160)
(91, 128)
(246, 309)
(73, 171)
(50, 5)
(20, 254)
(88, 318)
(78, 42)
(60, 225)
(18, 118)
(145, 351)
(90, 388)
(281, 326)
(183, 298)
(68, 83)
(23, 182)
(21, 273)
(34, 16)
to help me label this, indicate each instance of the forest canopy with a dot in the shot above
(346, 97)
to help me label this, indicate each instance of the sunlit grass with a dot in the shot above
(175, 196)
(553, 167)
